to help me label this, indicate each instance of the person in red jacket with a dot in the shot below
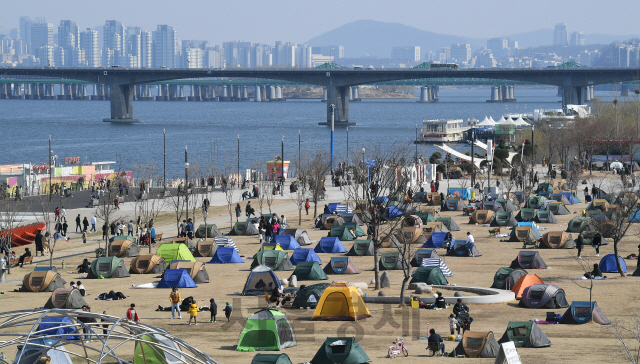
(132, 314)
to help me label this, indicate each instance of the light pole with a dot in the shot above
(416, 143)
(363, 181)
(299, 141)
(282, 165)
(164, 156)
(473, 158)
(238, 179)
(347, 146)
(186, 179)
(333, 108)
(50, 172)
(533, 156)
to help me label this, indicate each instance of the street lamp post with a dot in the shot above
(363, 181)
(50, 172)
(186, 179)
(533, 156)
(238, 179)
(282, 165)
(333, 108)
(164, 157)
(347, 146)
(416, 143)
(299, 141)
(473, 158)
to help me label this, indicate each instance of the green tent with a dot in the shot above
(274, 259)
(123, 237)
(281, 358)
(266, 330)
(426, 217)
(342, 350)
(244, 228)
(309, 271)
(211, 231)
(526, 214)
(342, 233)
(108, 267)
(525, 334)
(152, 354)
(579, 224)
(449, 223)
(429, 275)
(504, 218)
(546, 187)
(171, 252)
(392, 261)
(354, 227)
(536, 202)
(309, 296)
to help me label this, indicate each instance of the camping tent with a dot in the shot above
(461, 248)
(545, 217)
(389, 241)
(506, 204)
(196, 270)
(437, 262)
(435, 241)
(260, 279)
(211, 231)
(525, 334)
(266, 330)
(536, 202)
(274, 259)
(41, 281)
(481, 217)
(429, 275)
(506, 277)
(543, 296)
(416, 261)
(579, 224)
(355, 229)
(304, 255)
(341, 265)
(582, 312)
(60, 326)
(351, 217)
(341, 302)
(528, 259)
(546, 187)
(454, 204)
(108, 267)
(308, 296)
(526, 214)
(176, 278)
(287, 242)
(449, 223)
(392, 261)
(427, 217)
(391, 212)
(226, 255)
(309, 271)
(557, 208)
(342, 350)
(525, 281)
(300, 235)
(559, 197)
(67, 298)
(525, 231)
(504, 218)
(361, 248)
(175, 252)
(147, 264)
(436, 226)
(330, 245)
(608, 264)
(341, 232)
(123, 248)
(331, 221)
(170, 352)
(205, 248)
(184, 240)
(557, 240)
(244, 228)
(477, 344)
(338, 208)
(490, 205)
(226, 242)
(280, 358)
(37, 347)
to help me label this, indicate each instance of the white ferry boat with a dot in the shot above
(569, 113)
(442, 131)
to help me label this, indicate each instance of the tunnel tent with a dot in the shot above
(60, 327)
(196, 270)
(176, 278)
(343, 350)
(392, 261)
(477, 344)
(361, 248)
(557, 208)
(557, 240)
(147, 264)
(244, 228)
(266, 329)
(608, 264)
(427, 217)
(351, 217)
(226, 255)
(41, 281)
(207, 231)
(108, 267)
(461, 248)
(449, 223)
(528, 259)
(342, 233)
(491, 205)
(579, 224)
(454, 204)
(421, 254)
(123, 248)
(175, 252)
(526, 214)
(504, 218)
(525, 334)
(66, 298)
(437, 262)
(435, 241)
(545, 217)
(355, 229)
(506, 204)
(308, 296)
(287, 242)
(506, 277)
(309, 271)
(304, 255)
(543, 296)
(481, 217)
(37, 347)
(341, 265)
(276, 260)
(331, 221)
(300, 235)
(582, 312)
(330, 245)
(536, 202)
(428, 275)
(205, 248)
(341, 302)
(280, 358)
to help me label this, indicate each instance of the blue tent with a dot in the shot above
(608, 264)
(36, 347)
(382, 199)
(435, 241)
(287, 242)
(176, 277)
(464, 193)
(52, 326)
(534, 229)
(330, 244)
(304, 255)
(571, 197)
(226, 255)
(391, 212)
(260, 279)
(635, 216)
(463, 249)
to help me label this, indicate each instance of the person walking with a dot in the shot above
(85, 224)
(63, 214)
(597, 242)
(39, 245)
(227, 311)
(65, 226)
(175, 299)
(130, 228)
(238, 212)
(213, 308)
(105, 231)
(132, 314)
(193, 312)
(580, 244)
(57, 214)
(268, 230)
(306, 206)
(78, 223)
(93, 224)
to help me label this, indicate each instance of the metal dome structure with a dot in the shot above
(61, 333)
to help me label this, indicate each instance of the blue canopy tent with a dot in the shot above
(392, 211)
(57, 326)
(338, 208)
(329, 244)
(435, 241)
(176, 278)
(463, 249)
(304, 255)
(382, 199)
(226, 255)
(534, 229)
(608, 264)
(287, 242)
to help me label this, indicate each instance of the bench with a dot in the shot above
(15, 262)
(158, 237)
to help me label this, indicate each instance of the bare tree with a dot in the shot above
(262, 183)
(319, 166)
(149, 206)
(228, 186)
(106, 209)
(177, 204)
(11, 213)
(300, 194)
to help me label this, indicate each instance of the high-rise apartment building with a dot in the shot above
(113, 38)
(91, 47)
(165, 47)
(499, 47)
(577, 39)
(560, 35)
(407, 54)
(146, 49)
(461, 52)
(69, 42)
(41, 35)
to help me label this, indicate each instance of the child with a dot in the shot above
(193, 312)
(453, 325)
(84, 236)
(213, 307)
(227, 311)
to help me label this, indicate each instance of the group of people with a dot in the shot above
(459, 319)
(190, 305)
(269, 228)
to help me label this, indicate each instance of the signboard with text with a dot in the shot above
(508, 354)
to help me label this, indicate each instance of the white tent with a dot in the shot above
(501, 121)
(521, 123)
(491, 120)
(487, 122)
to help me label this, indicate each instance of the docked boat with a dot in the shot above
(569, 113)
(442, 131)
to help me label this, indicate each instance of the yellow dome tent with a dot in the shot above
(341, 302)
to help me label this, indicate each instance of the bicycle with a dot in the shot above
(397, 348)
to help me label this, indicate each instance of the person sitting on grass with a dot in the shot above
(440, 302)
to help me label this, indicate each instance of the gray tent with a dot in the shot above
(361, 248)
(525, 334)
(504, 218)
(528, 259)
(300, 235)
(478, 344)
(545, 217)
(68, 298)
(543, 296)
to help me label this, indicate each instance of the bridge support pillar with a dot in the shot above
(560, 91)
(279, 96)
(324, 94)
(625, 90)
(245, 94)
(574, 95)
(122, 104)
(356, 90)
(508, 95)
(591, 92)
(211, 94)
(338, 96)
(272, 93)
(258, 96)
(3, 91)
(425, 94)
(28, 95)
(495, 94)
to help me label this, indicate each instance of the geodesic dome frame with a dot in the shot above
(94, 346)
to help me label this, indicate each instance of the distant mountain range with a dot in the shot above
(370, 38)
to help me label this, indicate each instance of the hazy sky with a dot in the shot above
(299, 20)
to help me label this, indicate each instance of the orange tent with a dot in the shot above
(525, 281)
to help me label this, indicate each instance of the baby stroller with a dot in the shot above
(465, 321)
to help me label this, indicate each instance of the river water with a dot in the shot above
(76, 127)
